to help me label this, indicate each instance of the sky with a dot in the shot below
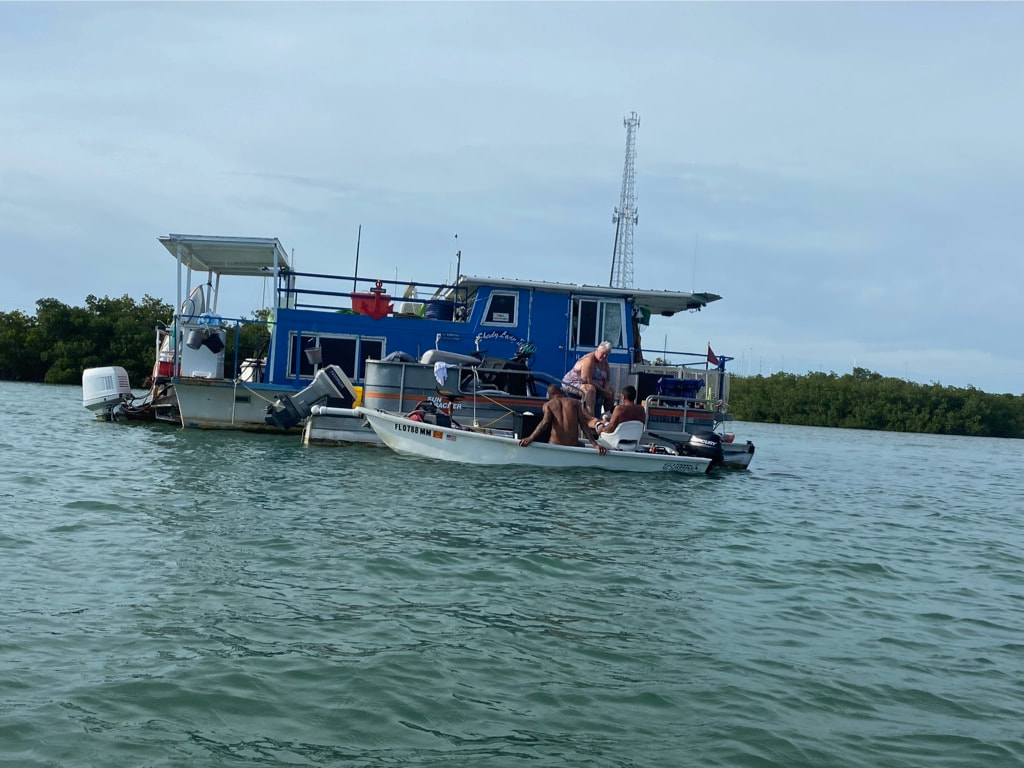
(847, 176)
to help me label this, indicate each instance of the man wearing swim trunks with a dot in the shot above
(590, 378)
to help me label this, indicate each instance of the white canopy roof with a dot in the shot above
(249, 256)
(655, 302)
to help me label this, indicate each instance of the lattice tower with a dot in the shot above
(625, 215)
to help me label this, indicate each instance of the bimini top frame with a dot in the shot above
(216, 256)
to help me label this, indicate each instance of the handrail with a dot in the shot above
(529, 377)
(532, 378)
(459, 295)
(688, 403)
(694, 358)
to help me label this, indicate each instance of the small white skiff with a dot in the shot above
(417, 438)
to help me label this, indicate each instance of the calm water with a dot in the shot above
(182, 598)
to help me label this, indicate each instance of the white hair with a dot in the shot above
(605, 345)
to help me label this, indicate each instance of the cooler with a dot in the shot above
(523, 425)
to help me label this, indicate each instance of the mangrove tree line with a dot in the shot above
(56, 344)
(867, 400)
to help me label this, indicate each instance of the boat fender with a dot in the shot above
(416, 416)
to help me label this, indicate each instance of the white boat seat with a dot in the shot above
(625, 437)
(432, 356)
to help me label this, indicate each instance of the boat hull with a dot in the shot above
(737, 455)
(324, 429)
(414, 438)
(225, 404)
(398, 387)
(329, 428)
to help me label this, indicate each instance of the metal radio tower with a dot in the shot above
(625, 215)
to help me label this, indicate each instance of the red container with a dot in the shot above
(376, 305)
(165, 364)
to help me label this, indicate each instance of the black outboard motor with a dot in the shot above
(706, 445)
(492, 371)
(288, 410)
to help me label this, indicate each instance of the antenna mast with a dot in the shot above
(625, 216)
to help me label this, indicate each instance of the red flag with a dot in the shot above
(711, 356)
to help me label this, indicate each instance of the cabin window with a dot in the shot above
(597, 320)
(347, 352)
(501, 309)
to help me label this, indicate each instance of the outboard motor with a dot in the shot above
(705, 445)
(288, 410)
(105, 391)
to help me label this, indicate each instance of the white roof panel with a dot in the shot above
(655, 302)
(250, 256)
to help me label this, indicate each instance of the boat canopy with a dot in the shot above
(246, 256)
(655, 302)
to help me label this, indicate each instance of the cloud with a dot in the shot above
(846, 183)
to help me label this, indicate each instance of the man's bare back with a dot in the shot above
(565, 416)
(626, 412)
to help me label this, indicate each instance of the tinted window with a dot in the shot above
(501, 309)
(596, 321)
(341, 351)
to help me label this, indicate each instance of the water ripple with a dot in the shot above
(187, 598)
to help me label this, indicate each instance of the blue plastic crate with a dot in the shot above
(670, 386)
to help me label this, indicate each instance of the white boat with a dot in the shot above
(468, 446)
(495, 393)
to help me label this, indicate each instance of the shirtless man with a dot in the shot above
(565, 416)
(627, 411)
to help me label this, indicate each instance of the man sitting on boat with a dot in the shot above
(628, 410)
(564, 416)
(590, 378)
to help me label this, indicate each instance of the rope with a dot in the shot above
(253, 391)
(501, 405)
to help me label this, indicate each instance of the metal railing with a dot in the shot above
(444, 295)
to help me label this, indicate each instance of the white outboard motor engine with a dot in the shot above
(706, 445)
(288, 410)
(104, 390)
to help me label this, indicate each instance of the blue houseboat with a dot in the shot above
(500, 339)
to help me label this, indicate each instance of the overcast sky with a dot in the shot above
(848, 176)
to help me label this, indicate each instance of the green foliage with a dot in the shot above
(866, 400)
(20, 349)
(60, 342)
